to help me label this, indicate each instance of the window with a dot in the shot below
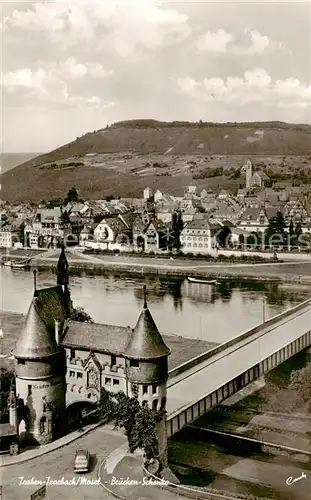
(154, 404)
(72, 353)
(144, 404)
(154, 388)
(116, 381)
(107, 381)
(145, 389)
(29, 390)
(79, 375)
(71, 374)
(113, 360)
(134, 363)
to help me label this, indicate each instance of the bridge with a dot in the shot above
(205, 381)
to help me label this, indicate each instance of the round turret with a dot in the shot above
(41, 367)
(147, 372)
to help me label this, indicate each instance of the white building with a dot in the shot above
(148, 193)
(158, 196)
(199, 236)
(8, 236)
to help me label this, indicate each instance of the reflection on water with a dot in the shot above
(195, 310)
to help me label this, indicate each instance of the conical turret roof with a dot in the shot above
(37, 340)
(146, 341)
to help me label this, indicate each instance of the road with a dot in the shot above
(58, 464)
(298, 271)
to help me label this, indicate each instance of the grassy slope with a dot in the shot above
(30, 182)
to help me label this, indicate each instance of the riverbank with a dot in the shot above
(293, 272)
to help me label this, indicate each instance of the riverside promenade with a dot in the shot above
(294, 268)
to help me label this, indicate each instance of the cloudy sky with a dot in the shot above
(72, 67)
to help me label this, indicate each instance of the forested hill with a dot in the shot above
(185, 138)
(124, 157)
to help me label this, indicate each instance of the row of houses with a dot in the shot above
(136, 224)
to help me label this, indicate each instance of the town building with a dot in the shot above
(62, 363)
(148, 193)
(9, 236)
(199, 236)
(253, 179)
(256, 219)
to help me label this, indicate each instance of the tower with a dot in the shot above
(248, 169)
(148, 193)
(40, 366)
(147, 372)
(63, 278)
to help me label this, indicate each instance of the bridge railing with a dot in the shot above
(231, 366)
(263, 328)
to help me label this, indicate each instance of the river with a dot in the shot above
(212, 313)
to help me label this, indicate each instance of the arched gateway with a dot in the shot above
(80, 412)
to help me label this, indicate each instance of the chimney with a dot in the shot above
(57, 332)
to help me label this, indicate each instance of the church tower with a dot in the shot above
(40, 362)
(147, 372)
(248, 169)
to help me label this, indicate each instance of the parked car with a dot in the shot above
(82, 461)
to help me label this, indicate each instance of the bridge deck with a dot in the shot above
(272, 342)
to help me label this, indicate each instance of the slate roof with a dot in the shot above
(110, 339)
(146, 341)
(49, 214)
(200, 224)
(37, 338)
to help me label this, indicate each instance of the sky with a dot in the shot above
(70, 67)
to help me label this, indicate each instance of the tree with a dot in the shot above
(55, 202)
(6, 378)
(292, 235)
(298, 229)
(138, 422)
(224, 237)
(177, 227)
(275, 233)
(72, 196)
(289, 396)
(80, 315)
(300, 383)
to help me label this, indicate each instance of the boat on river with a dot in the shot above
(204, 282)
(17, 264)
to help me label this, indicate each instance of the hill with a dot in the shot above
(126, 156)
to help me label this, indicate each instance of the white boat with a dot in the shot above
(19, 264)
(205, 282)
(16, 264)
